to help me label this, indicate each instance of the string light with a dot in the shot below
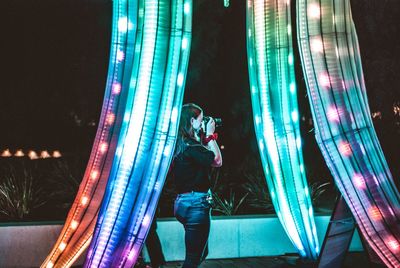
(44, 154)
(19, 153)
(6, 153)
(32, 155)
(57, 154)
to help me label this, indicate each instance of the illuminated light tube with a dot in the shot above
(79, 225)
(148, 130)
(276, 119)
(347, 138)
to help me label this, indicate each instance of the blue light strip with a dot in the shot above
(148, 134)
(276, 119)
(343, 126)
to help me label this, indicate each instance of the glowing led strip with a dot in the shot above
(148, 133)
(343, 126)
(276, 118)
(78, 229)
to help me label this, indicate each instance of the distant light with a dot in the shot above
(32, 155)
(314, 11)
(19, 153)
(6, 153)
(57, 154)
(222, 147)
(44, 154)
(377, 115)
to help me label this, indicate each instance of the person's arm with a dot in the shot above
(212, 145)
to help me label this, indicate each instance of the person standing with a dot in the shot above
(193, 159)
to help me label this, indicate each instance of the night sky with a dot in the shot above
(55, 57)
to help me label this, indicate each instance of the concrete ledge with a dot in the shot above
(27, 245)
(240, 236)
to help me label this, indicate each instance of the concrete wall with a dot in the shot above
(230, 237)
(240, 236)
(27, 245)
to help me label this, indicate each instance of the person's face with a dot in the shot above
(197, 122)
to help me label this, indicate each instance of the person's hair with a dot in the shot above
(185, 130)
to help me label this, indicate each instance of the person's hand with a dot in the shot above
(210, 126)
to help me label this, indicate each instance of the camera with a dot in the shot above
(218, 121)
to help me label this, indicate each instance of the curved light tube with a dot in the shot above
(148, 131)
(79, 225)
(343, 127)
(276, 119)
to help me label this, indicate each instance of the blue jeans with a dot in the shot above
(193, 211)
